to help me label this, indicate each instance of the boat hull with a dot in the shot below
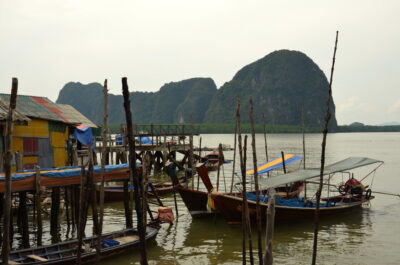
(231, 209)
(65, 252)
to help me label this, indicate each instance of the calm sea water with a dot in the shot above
(369, 236)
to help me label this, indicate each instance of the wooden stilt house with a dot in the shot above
(41, 131)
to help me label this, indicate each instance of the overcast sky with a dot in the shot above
(47, 43)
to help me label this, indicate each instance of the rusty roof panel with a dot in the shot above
(44, 108)
(18, 116)
(74, 116)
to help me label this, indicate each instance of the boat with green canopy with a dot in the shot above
(349, 195)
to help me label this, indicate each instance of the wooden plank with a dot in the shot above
(36, 257)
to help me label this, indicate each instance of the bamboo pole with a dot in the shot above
(268, 257)
(103, 166)
(234, 159)
(7, 171)
(135, 178)
(325, 132)
(258, 210)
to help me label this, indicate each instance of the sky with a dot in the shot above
(47, 43)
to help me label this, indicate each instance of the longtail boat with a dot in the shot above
(351, 196)
(55, 177)
(212, 160)
(65, 252)
(196, 201)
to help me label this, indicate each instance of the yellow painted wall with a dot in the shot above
(58, 140)
(30, 160)
(35, 128)
(40, 128)
(17, 144)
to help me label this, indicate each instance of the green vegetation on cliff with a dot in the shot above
(281, 85)
(184, 101)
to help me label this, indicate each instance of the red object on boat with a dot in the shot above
(165, 215)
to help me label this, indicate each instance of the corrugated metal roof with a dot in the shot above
(18, 116)
(72, 115)
(44, 108)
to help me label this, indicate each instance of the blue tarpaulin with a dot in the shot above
(84, 135)
(145, 140)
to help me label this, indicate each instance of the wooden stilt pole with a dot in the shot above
(55, 210)
(38, 204)
(321, 178)
(67, 201)
(127, 206)
(92, 195)
(81, 215)
(23, 214)
(135, 178)
(7, 171)
(258, 211)
(103, 164)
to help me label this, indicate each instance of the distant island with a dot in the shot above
(283, 84)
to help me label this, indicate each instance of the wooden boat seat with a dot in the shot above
(36, 257)
(126, 239)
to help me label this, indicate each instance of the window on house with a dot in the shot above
(31, 146)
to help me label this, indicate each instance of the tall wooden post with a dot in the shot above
(191, 158)
(219, 164)
(304, 149)
(135, 178)
(198, 176)
(234, 158)
(258, 211)
(321, 177)
(268, 257)
(245, 212)
(7, 171)
(265, 138)
(103, 165)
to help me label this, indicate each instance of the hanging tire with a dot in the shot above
(368, 193)
(342, 189)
